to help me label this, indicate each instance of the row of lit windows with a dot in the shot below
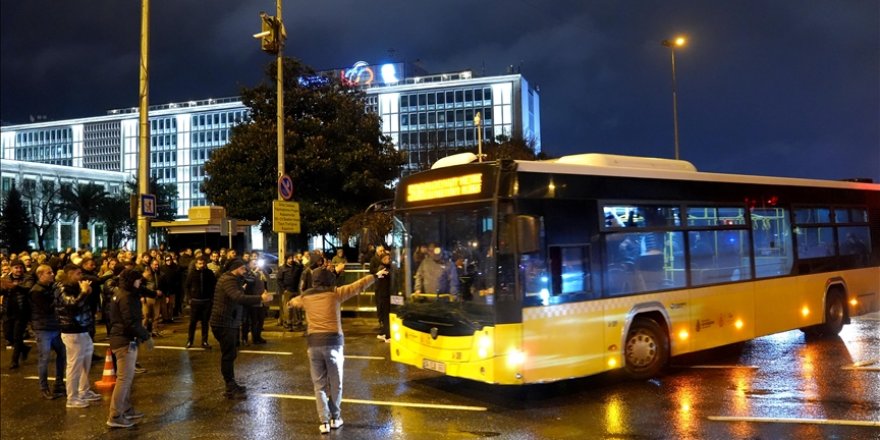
(212, 136)
(168, 157)
(163, 124)
(445, 137)
(217, 120)
(54, 135)
(43, 152)
(200, 154)
(462, 118)
(447, 99)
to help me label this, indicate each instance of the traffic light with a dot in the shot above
(272, 34)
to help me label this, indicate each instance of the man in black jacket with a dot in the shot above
(16, 291)
(199, 286)
(288, 287)
(44, 321)
(126, 332)
(226, 313)
(75, 317)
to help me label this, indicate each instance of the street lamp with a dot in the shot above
(672, 44)
(478, 123)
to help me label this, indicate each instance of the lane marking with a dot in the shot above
(865, 363)
(877, 368)
(750, 367)
(796, 420)
(280, 353)
(369, 358)
(386, 403)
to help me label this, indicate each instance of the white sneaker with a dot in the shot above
(324, 428)
(77, 404)
(91, 396)
(380, 336)
(335, 423)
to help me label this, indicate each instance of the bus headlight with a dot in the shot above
(484, 344)
(515, 358)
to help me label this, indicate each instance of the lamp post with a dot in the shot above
(672, 44)
(478, 123)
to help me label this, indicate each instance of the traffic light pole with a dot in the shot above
(143, 222)
(282, 237)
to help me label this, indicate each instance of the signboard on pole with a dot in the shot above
(285, 217)
(285, 187)
(148, 205)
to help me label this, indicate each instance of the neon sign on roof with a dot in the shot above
(364, 74)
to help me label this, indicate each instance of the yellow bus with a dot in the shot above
(518, 272)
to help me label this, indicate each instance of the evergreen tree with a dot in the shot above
(334, 151)
(15, 227)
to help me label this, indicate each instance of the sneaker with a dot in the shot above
(119, 422)
(336, 423)
(206, 345)
(138, 369)
(324, 428)
(380, 337)
(48, 395)
(235, 392)
(189, 344)
(91, 396)
(77, 404)
(132, 414)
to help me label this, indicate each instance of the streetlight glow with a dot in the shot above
(672, 44)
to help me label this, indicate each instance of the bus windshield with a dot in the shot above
(448, 261)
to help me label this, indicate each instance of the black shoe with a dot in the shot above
(14, 366)
(48, 395)
(260, 341)
(206, 345)
(189, 344)
(235, 392)
(24, 353)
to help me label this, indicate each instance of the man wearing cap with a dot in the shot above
(16, 293)
(226, 314)
(325, 339)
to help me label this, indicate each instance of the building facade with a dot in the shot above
(426, 116)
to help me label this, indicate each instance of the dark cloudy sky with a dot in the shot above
(783, 87)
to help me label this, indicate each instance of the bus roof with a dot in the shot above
(666, 169)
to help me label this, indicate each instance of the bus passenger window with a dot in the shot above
(772, 243)
(570, 269)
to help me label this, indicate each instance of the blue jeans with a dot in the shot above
(50, 340)
(326, 370)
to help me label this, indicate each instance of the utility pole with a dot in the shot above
(272, 39)
(279, 35)
(143, 222)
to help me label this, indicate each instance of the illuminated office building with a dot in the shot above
(426, 116)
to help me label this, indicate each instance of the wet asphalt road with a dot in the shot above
(834, 382)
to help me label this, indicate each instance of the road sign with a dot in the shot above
(285, 187)
(148, 205)
(285, 217)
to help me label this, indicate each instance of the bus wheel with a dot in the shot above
(835, 314)
(646, 350)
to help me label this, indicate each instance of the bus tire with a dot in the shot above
(835, 314)
(646, 350)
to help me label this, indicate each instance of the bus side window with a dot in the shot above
(772, 241)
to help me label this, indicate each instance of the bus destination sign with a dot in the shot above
(445, 188)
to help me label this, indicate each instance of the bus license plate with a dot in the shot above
(397, 300)
(439, 367)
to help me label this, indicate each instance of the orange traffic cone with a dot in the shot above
(109, 378)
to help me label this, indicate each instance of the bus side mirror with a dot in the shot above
(527, 234)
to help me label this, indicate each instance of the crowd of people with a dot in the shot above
(62, 296)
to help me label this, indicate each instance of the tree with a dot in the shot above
(116, 215)
(14, 223)
(334, 151)
(44, 209)
(84, 199)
